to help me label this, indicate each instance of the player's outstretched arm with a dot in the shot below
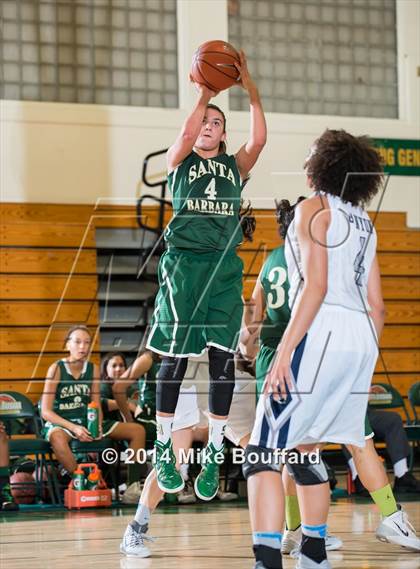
(184, 144)
(375, 299)
(119, 389)
(252, 321)
(249, 152)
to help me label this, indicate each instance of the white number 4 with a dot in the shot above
(210, 191)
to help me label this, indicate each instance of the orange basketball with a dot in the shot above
(214, 65)
(38, 471)
(22, 487)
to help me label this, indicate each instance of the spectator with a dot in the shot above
(7, 503)
(72, 383)
(388, 425)
(113, 365)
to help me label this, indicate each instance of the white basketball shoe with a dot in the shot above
(291, 541)
(306, 563)
(397, 529)
(133, 545)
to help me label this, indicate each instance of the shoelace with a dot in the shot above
(136, 539)
(295, 552)
(407, 523)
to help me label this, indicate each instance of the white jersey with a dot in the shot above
(351, 245)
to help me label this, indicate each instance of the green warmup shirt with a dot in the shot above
(273, 279)
(73, 395)
(274, 282)
(206, 197)
(106, 394)
(147, 402)
(147, 390)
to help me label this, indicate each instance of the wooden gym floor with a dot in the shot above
(188, 537)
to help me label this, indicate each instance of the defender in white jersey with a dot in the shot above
(317, 388)
(333, 364)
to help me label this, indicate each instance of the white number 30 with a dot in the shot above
(277, 277)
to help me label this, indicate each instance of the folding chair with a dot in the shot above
(14, 405)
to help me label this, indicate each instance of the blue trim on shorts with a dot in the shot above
(295, 365)
(265, 429)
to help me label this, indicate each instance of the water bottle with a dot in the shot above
(93, 481)
(93, 419)
(79, 480)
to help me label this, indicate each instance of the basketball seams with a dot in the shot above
(214, 65)
(197, 68)
(200, 53)
(217, 69)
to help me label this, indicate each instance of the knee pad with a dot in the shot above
(303, 471)
(222, 381)
(260, 459)
(168, 383)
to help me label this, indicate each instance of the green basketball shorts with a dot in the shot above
(108, 425)
(369, 434)
(262, 366)
(199, 303)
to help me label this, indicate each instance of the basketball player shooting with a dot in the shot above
(199, 304)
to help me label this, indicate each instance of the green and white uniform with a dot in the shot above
(200, 275)
(147, 402)
(273, 279)
(106, 395)
(72, 398)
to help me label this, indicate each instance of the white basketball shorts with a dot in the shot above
(332, 370)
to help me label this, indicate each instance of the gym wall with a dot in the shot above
(65, 152)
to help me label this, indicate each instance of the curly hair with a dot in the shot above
(285, 212)
(346, 166)
(247, 221)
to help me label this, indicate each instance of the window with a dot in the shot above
(319, 56)
(111, 52)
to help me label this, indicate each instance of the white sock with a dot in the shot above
(142, 516)
(183, 469)
(352, 467)
(400, 468)
(217, 432)
(164, 428)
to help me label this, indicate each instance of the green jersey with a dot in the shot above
(206, 197)
(72, 395)
(107, 394)
(274, 282)
(147, 389)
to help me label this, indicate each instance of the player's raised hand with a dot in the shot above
(203, 89)
(245, 79)
(279, 381)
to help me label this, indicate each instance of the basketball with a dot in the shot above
(42, 476)
(214, 65)
(22, 487)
